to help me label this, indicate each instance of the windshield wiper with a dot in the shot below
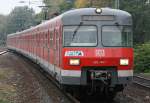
(76, 30)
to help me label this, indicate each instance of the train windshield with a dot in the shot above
(80, 35)
(120, 36)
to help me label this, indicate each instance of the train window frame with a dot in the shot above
(117, 46)
(79, 46)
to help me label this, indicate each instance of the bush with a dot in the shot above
(142, 58)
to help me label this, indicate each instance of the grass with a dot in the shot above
(4, 101)
(147, 74)
(7, 91)
(4, 74)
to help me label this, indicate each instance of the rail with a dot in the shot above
(3, 52)
(51, 79)
(68, 95)
(144, 82)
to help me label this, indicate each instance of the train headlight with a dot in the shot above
(124, 61)
(74, 61)
(98, 10)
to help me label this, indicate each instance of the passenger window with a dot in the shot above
(46, 39)
(57, 40)
(43, 39)
(51, 39)
(40, 41)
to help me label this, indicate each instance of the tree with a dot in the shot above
(2, 29)
(58, 6)
(53, 5)
(142, 57)
(38, 18)
(81, 3)
(20, 19)
(141, 13)
(93, 3)
(66, 5)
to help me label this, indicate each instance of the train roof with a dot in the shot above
(91, 11)
(74, 17)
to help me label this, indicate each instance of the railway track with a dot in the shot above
(69, 96)
(3, 52)
(139, 80)
(41, 74)
(46, 90)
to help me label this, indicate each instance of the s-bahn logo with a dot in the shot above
(74, 53)
(100, 52)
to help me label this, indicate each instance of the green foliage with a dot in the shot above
(38, 18)
(142, 57)
(64, 6)
(53, 5)
(3, 20)
(2, 23)
(58, 6)
(141, 22)
(20, 19)
(93, 3)
(2, 101)
(81, 3)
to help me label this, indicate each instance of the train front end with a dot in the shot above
(97, 49)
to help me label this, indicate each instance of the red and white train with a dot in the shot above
(84, 48)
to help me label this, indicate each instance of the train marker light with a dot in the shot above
(98, 10)
(74, 61)
(124, 62)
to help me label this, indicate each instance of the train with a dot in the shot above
(86, 50)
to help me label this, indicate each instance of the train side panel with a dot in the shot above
(43, 46)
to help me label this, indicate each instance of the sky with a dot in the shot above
(6, 6)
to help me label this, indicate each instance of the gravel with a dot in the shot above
(30, 86)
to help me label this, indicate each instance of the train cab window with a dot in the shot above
(119, 36)
(80, 36)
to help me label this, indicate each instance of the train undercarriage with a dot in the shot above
(96, 82)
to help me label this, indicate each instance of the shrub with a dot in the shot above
(142, 58)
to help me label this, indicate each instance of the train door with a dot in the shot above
(56, 51)
(48, 47)
(33, 44)
(42, 46)
(58, 47)
(46, 41)
(51, 49)
(38, 44)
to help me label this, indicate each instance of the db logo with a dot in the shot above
(100, 52)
